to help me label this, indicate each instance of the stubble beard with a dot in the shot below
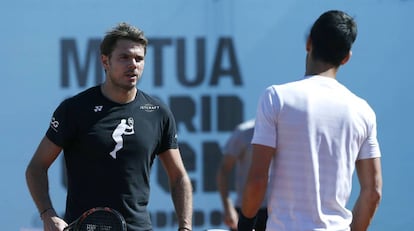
(124, 86)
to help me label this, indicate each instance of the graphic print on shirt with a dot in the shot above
(125, 127)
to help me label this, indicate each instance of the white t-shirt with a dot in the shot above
(319, 129)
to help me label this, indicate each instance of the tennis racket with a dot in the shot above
(98, 219)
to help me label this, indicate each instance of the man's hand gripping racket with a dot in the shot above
(98, 219)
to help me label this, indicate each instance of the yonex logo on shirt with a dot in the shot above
(98, 108)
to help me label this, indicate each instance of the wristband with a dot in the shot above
(44, 211)
(184, 228)
(245, 223)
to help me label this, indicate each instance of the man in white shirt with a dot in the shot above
(317, 133)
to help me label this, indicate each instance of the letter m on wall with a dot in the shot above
(71, 64)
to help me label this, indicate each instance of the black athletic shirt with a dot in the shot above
(109, 149)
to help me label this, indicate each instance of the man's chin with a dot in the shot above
(128, 86)
(134, 81)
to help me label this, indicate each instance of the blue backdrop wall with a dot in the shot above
(209, 60)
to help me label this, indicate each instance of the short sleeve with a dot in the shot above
(169, 133)
(61, 128)
(235, 144)
(370, 147)
(266, 118)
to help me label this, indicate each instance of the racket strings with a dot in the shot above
(102, 221)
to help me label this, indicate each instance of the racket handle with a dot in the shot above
(68, 228)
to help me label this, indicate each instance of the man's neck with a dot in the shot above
(117, 94)
(322, 69)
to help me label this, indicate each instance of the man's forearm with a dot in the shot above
(222, 186)
(182, 196)
(37, 182)
(253, 196)
(364, 210)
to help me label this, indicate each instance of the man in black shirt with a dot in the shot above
(110, 135)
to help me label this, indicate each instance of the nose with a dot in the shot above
(133, 64)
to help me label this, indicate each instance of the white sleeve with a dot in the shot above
(234, 144)
(265, 131)
(370, 148)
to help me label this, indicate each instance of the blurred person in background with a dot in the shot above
(237, 154)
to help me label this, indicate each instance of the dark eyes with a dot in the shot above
(126, 57)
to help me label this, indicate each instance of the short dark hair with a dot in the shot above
(332, 36)
(122, 31)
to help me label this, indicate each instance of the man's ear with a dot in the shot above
(347, 57)
(308, 44)
(105, 61)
